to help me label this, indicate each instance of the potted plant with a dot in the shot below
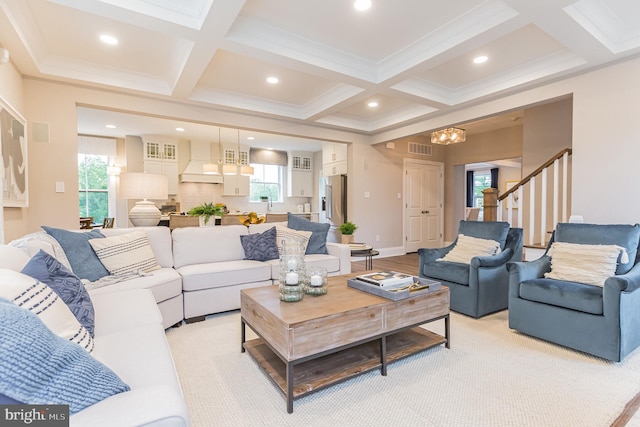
(347, 229)
(205, 211)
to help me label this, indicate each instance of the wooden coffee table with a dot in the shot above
(331, 338)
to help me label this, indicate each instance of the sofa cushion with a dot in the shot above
(165, 284)
(467, 247)
(571, 295)
(221, 274)
(625, 235)
(318, 241)
(125, 254)
(67, 285)
(135, 307)
(83, 260)
(199, 245)
(260, 246)
(491, 230)
(12, 258)
(450, 271)
(590, 264)
(35, 296)
(38, 367)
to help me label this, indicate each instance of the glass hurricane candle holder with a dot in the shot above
(315, 281)
(291, 278)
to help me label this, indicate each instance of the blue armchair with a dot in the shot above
(480, 287)
(600, 320)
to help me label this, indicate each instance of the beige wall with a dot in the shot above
(11, 92)
(606, 153)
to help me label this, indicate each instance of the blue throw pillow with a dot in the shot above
(67, 285)
(318, 241)
(6, 400)
(38, 367)
(84, 261)
(260, 246)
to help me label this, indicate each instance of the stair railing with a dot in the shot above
(539, 194)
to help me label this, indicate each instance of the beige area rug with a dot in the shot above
(491, 376)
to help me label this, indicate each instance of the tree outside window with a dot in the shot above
(93, 184)
(266, 181)
(481, 181)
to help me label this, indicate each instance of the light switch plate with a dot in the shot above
(59, 187)
(367, 195)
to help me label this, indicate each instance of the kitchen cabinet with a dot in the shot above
(334, 159)
(231, 155)
(235, 185)
(300, 174)
(161, 157)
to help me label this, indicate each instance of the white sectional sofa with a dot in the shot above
(213, 269)
(165, 283)
(202, 271)
(129, 339)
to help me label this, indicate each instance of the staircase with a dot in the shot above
(539, 201)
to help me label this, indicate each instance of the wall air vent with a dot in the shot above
(419, 149)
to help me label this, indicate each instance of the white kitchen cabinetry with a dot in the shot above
(235, 185)
(300, 174)
(161, 158)
(334, 159)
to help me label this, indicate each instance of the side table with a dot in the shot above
(367, 252)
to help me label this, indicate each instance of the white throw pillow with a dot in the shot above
(125, 254)
(286, 233)
(40, 299)
(591, 264)
(468, 247)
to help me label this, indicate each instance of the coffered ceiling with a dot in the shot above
(413, 57)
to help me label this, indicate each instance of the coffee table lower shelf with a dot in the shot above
(315, 374)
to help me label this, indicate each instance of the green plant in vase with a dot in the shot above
(207, 210)
(347, 229)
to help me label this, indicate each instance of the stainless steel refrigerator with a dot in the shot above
(334, 204)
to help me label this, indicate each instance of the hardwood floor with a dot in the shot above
(404, 263)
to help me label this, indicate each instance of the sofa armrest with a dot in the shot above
(432, 254)
(492, 260)
(148, 406)
(529, 270)
(627, 282)
(343, 252)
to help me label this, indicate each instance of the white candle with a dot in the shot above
(316, 280)
(291, 278)
(292, 264)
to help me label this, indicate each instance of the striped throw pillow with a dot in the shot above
(40, 299)
(125, 254)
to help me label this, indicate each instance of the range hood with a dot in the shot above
(200, 154)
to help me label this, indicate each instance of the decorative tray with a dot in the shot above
(419, 287)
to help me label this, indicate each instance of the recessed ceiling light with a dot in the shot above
(111, 126)
(272, 80)
(105, 38)
(362, 4)
(480, 59)
(372, 104)
(250, 138)
(180, 129)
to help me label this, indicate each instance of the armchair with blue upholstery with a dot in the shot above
(480, 287)
(600, 320)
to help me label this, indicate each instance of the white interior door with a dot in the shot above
(424, 198)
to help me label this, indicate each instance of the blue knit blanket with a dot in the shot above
(39, 367)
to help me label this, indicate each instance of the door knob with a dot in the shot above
(425, 212)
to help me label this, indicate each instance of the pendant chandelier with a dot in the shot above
(233, 169)
(448, 136)
(213, 168)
